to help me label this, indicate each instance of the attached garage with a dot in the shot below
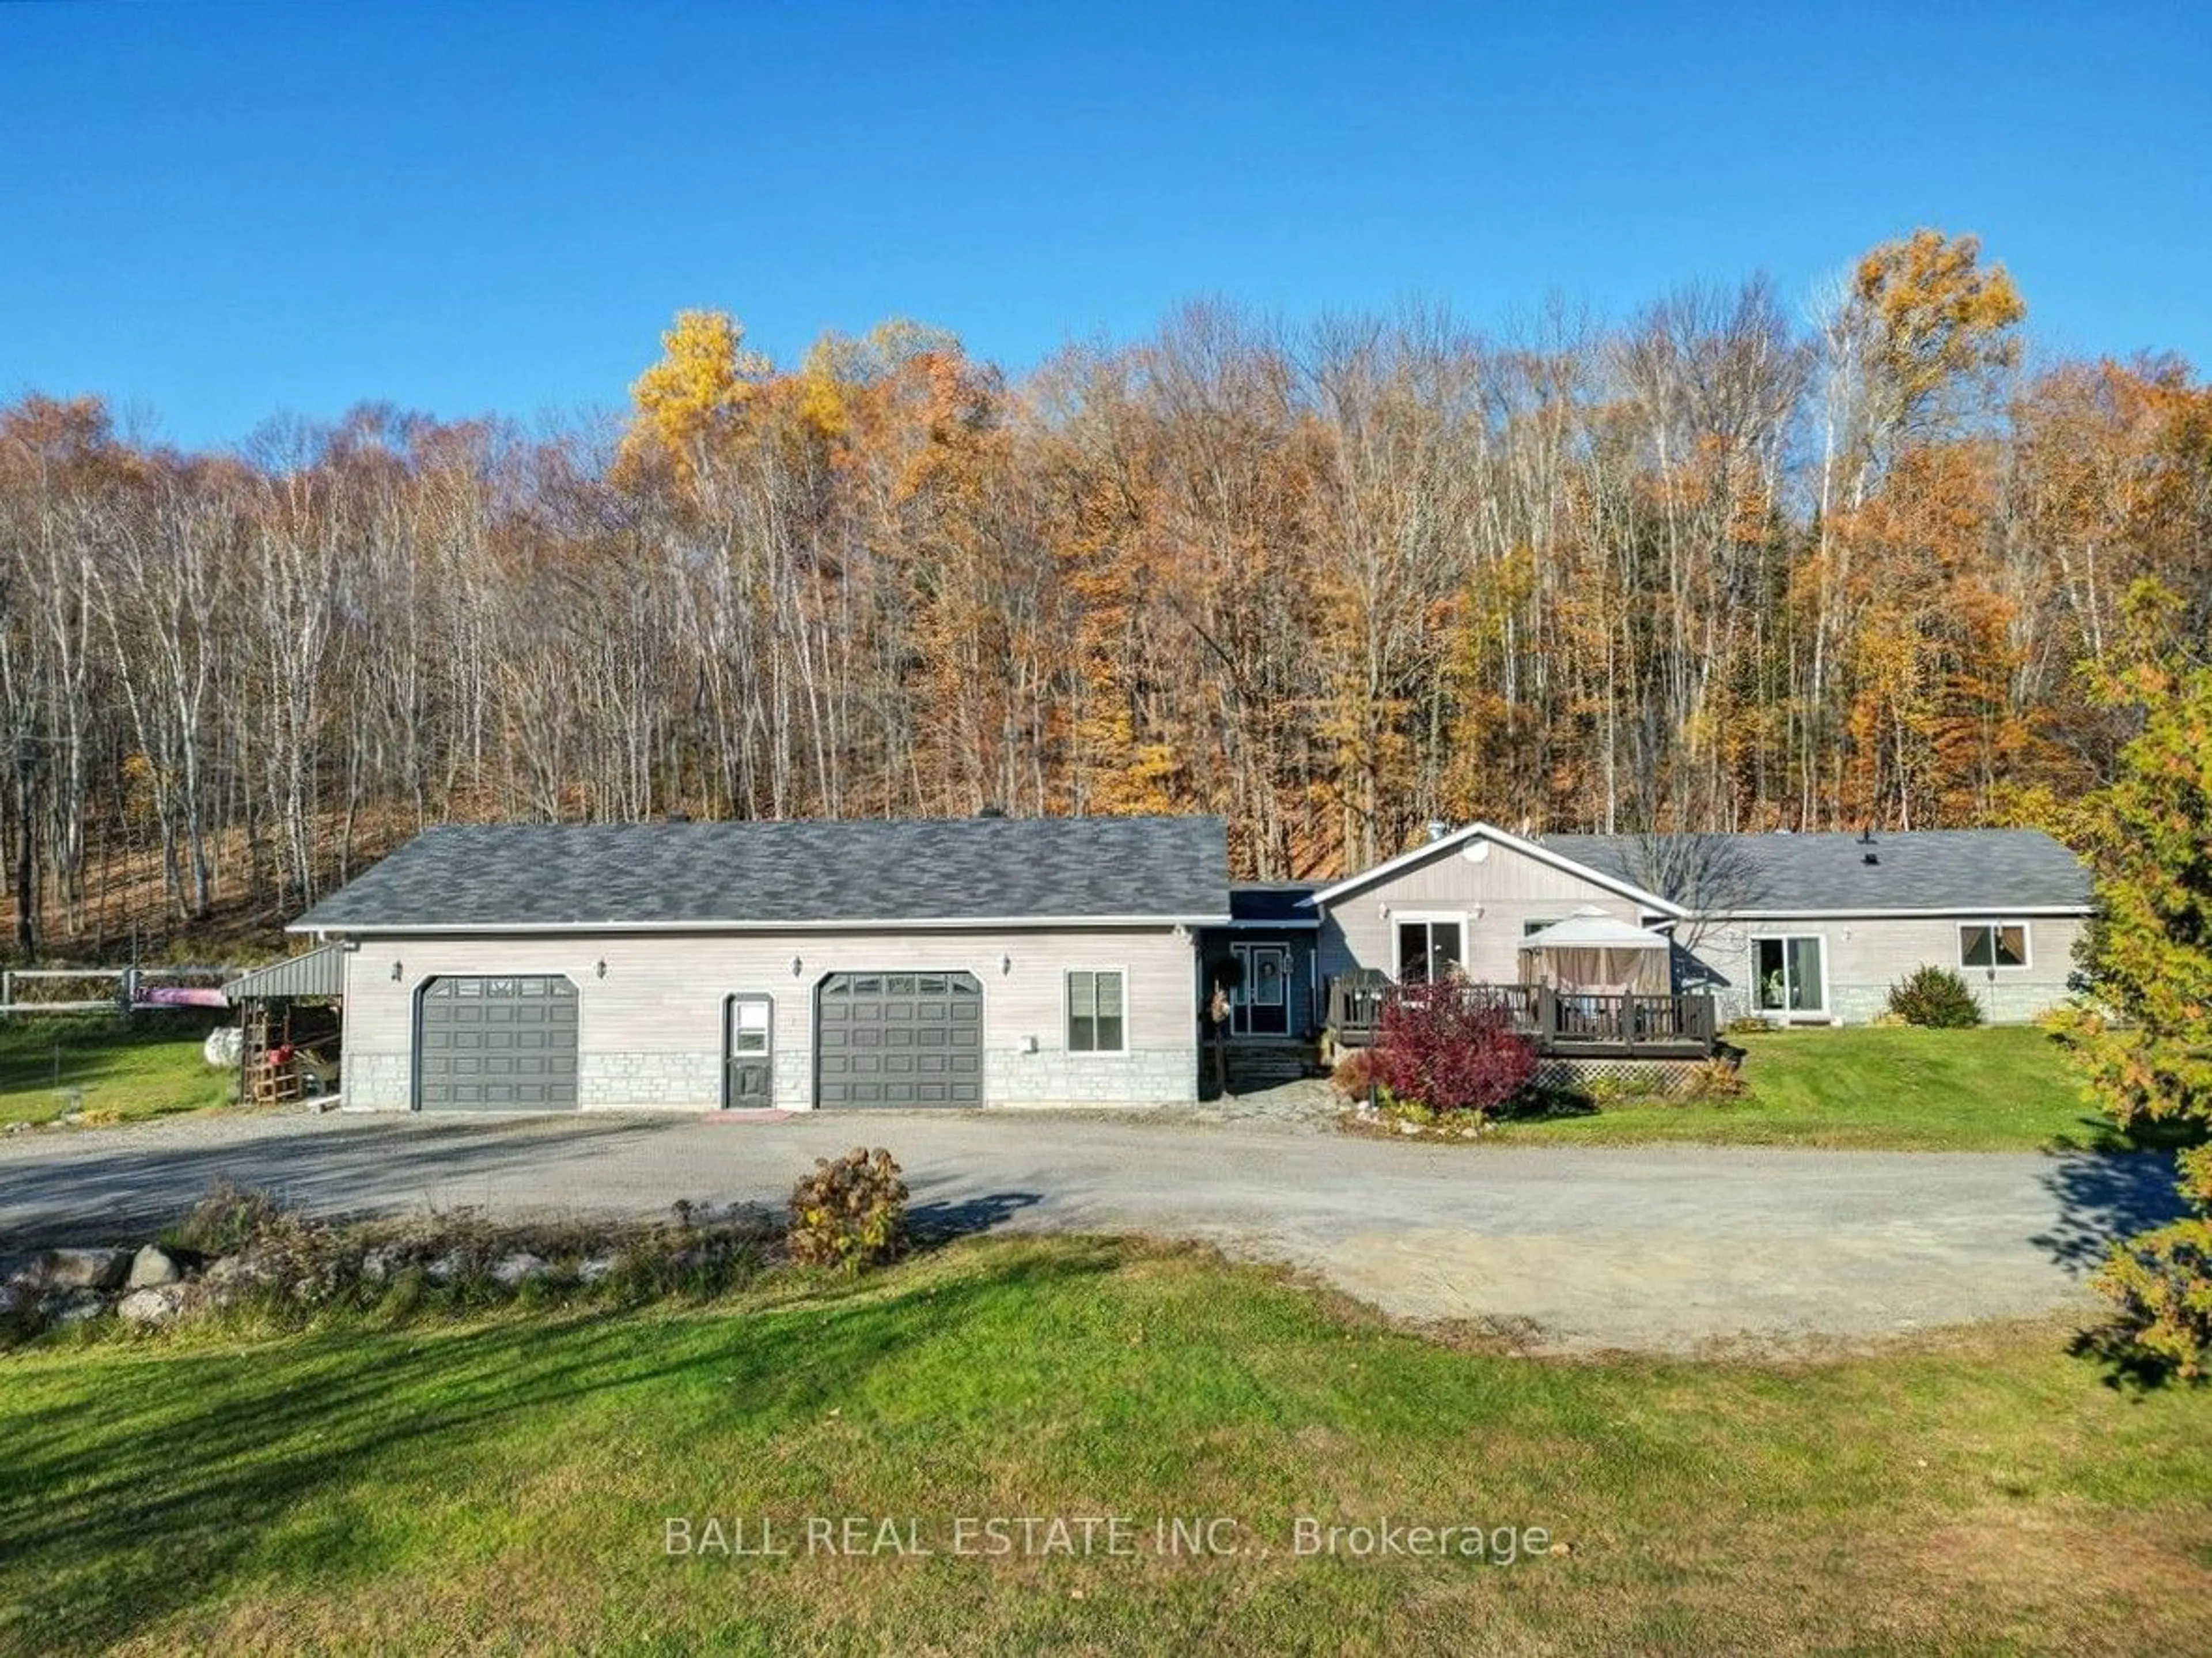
(951, 963)
(898, 1039)
(498, 1043)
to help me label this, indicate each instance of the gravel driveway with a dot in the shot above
(1673, 1249)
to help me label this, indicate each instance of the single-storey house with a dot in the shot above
(1005, 962)
(991, 961)
(1799, 928)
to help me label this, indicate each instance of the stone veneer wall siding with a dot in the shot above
(382, 1081)
(1056, 1078)
(689, 1080)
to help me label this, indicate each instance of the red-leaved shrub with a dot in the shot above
(1441, 1047)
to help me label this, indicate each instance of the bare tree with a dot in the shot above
(1709, 875)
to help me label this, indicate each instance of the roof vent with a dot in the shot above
(1871, 858)
(1865, 835)
(679, 817)
(992, 812)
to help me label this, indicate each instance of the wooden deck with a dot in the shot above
(1563, 1023)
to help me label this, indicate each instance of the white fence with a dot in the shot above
(131, 984)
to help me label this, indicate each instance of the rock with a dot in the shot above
(511, 1270)
(378, 1266)
(77, 1306)
(153, 1266)
(13, 1300)
(236, 1275)
(594, 1269)
(447, 1268)
(151, 1304)
(220, 1050)
(1405, 1127)
(74, 1269)
(246, 1268)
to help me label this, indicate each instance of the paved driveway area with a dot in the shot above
(1673, 1249)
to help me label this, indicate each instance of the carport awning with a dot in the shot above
(318, 973)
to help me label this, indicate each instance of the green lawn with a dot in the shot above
(505, 1483)
(1998, 1088)
(146, 1067)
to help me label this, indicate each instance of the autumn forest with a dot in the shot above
(1739, 560)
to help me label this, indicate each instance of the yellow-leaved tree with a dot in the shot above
(1940, 323)
(694, 397)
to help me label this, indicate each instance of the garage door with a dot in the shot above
(899, 1039)
(497, 1044)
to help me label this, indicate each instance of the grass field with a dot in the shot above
(146, 1066)
(2002, 1088)
(505, 1483)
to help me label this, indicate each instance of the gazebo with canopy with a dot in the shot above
(1600, 954)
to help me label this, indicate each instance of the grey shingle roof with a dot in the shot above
(508, 876)
(1964, 870)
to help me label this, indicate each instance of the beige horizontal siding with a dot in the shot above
(1865, 958)
(664, 993)
(1508, 890)
(1498, 897)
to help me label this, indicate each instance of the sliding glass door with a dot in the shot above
(1789, 976)
(1430, 949)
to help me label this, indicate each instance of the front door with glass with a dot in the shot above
(1261, 1005)
(748, 1059)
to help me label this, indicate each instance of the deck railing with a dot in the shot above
(1355, 1006)
(1560, 1021)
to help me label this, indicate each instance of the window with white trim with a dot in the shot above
(1096, 1020)
(751, 1017)
(1429, 948)
(1993, 944)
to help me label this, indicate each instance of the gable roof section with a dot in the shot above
(942, 873)
(1544, 852)
(1992, 872)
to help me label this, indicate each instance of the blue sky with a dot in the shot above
(213, 212)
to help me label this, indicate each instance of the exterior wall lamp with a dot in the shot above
(600, 968)
(398, 970)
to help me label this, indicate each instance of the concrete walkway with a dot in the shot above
(1673, 1249)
